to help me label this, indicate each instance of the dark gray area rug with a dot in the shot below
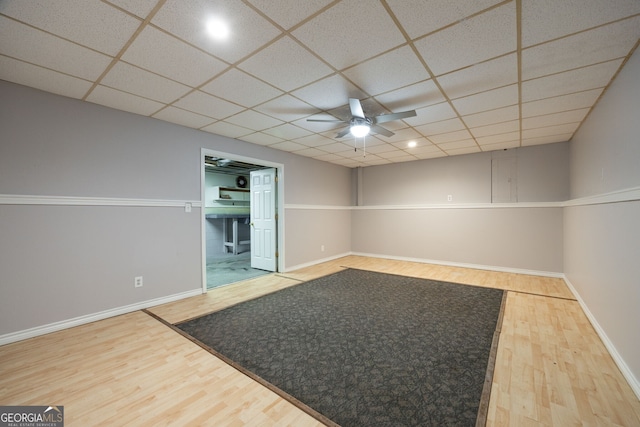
(360, 348)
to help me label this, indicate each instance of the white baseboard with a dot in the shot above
(466, 265)
(318, 261)
(81, 320)
(626, 372)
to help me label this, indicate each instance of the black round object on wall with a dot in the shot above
(241, 181)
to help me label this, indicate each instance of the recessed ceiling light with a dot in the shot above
(412, 144)
(218, 29)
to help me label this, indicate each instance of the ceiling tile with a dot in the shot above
(544, 20)
(493, 116)
(39, 48)
(394, 69)
(481, 77)
(123, 101)
(143, 83)
(489, 100)
(207, 105)
(188, 20)
(329, 93)
(262, 138)
(500, 146)
(595, 76)
(286, 108)
(286, 65)
(288, 13)
(411, 97)
(228, 130)
(241, 88)
(314, 140)
(342, 34)
(451, 136)
(549, 131)
(309, 152)
(432, 113)
(462, 150)
(547, 139)
(90, 23)
(337, 147)
(572, 101)
(590, 47)
(254, 120)
(403, 135)
(419, 17)
(443, 126)
(289, 146)
(495, 139)
(26, 74)
(496, 129)
(473, 40)
(141, 8)
(163, 54)
(183, 117)
(575, 116)
(288, 131)
(430, 155)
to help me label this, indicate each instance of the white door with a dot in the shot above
(263, 219)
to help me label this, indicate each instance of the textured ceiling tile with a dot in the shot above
(494, 139)
(262, 138)
(228, 129)
(394, 69)
(183, 117)
(90, 23)
(26, 74)
(574, 116)
(141, 8)
(440, 127)
(188, 20)
(549, 131)
(202, 103)
(411, 97)
(163, 54)
(494, 116)
(451, 136)
(547, 139)
(254, 120)
(309, 152)
(573, 101)
(39, 48)
(286, 108)
(590, 47)
(421, 17)
(288, 131)
(239, 87)
(285, 65)
(432, 113)
(329, 93)
(595, 76)
(544, 20)
(485, 101)
(473, 40)
(500, 146)
(496, 129)
(314, 140)
(402, 135)
(288, 13)
(123, 101)
(481, 77)
(143, 83)
(342, 34)
(463, 150)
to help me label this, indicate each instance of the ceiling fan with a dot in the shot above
(361, 125)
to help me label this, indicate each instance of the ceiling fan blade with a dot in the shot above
(356, 108)
(382, 131)
(327, 121)
(343, 132)
(394, 116)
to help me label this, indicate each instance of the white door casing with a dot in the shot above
(263, 219)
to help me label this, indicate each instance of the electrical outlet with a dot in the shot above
(449, 198)
(137, 282)
(187, 207)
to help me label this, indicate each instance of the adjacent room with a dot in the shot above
(169, 164)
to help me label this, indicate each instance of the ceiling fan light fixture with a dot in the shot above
(360, 130)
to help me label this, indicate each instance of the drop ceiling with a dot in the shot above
(482, 75)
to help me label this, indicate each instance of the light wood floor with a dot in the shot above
(551, 367)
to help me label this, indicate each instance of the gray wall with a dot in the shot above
(602, 240)
(67, 261)
(406, 212)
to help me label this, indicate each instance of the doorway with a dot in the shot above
(227, 229)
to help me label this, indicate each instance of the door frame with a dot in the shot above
(279, 204)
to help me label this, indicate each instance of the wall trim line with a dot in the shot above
(19, 199)
(617, 358)
(88, 318)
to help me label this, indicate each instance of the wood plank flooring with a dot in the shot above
(551, 367)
